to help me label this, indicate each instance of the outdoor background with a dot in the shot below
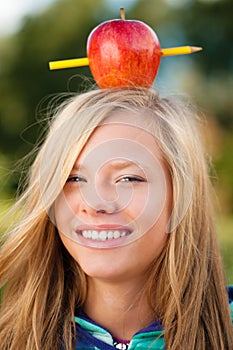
(34, 33)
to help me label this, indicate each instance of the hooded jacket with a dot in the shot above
(91, 336)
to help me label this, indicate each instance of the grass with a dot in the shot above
(225, 235)
(5, 205)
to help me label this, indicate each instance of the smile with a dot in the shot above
(103, 235)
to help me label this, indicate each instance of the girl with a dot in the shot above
(116, 246)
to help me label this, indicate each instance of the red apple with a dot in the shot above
(123, 53)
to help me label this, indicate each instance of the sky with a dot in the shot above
(13, 11)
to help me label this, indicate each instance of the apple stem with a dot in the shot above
(122, 11)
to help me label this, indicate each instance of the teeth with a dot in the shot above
(110, 234)
(85, 234)
(103, 235)
(116, 234)
(94, 235)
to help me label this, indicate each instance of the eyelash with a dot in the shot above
(131, 179)
(76, 179)
(123, 179)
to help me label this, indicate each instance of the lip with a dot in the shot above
(119, 235)
(103, 227)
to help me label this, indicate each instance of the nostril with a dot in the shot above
(101, 211)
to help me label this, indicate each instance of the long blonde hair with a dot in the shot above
(42, 282)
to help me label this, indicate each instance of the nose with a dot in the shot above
(96, 202)
(100, 207)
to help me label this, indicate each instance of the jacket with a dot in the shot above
(91, 336)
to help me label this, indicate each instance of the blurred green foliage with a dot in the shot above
(61, 32)
(225, 229)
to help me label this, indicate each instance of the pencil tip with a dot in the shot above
(196, 49)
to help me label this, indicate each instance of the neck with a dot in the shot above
(121, 308)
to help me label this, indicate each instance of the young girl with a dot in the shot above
(116, 246)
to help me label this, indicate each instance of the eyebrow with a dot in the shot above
(116, 164)
(121, 164)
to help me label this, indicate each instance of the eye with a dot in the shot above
(131, 179)
(73, 178)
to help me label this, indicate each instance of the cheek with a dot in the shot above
(156, 238)
(159, 240)
(137, 202)
(70, 197)
(70, 246)
(150, 207)
(65, 208)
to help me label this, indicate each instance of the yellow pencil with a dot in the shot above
(76, 62)
(181, 50)
(80, 62)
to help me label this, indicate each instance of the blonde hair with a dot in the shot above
(43, 284)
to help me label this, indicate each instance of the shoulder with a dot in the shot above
(230, 293)
(230, 296)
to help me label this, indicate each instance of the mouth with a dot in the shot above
(102, 235)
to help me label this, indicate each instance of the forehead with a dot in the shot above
(123, 137)
(123, 127)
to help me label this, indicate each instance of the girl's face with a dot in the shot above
(115, 206)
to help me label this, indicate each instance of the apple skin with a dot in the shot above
(123, 53)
